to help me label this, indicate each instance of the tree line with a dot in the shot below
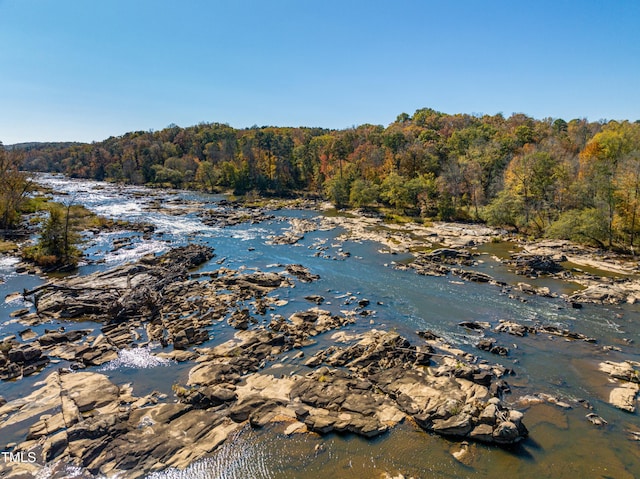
(578, 180)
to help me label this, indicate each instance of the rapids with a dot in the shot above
(562, 443)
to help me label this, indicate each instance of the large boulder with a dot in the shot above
(534, 264)
(624, 397)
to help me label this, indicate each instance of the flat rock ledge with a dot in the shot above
(617, 291)
(439, 263)
(626, 375)
(84, 419)
(364, 388)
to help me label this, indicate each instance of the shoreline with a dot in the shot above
(609, 277)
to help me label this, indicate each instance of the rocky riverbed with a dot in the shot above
(270, 338)
(366, 386)
(615, 278)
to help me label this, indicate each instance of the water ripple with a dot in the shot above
(240, 457)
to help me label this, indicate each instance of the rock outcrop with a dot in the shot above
(104, 429)
(365, 388)
(610, 292)
(627, 377)
(535, 264)
(126, 292)
(450, 400)
(518, 329)
(20, 359)
(156, 299)
(439, 263)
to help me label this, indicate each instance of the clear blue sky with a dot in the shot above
(85, 70)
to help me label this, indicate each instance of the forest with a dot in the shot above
(574, 179)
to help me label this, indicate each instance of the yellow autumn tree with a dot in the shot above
(607, 166)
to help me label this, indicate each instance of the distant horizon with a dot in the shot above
(153, 130)
(150, 63)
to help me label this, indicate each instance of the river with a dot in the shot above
(562, 442)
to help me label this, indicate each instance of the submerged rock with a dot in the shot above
(302, 273)
(491, 346)
(518, 329)
(223, 217)
(436, 263)
(286, 238)
(596, 420)
(450, 256)
(315, 298)
(511, 327)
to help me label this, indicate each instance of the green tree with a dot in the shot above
(588, 225)
(560, 126)
(531, 176)
(395, 192)
(207, 175)
(14, 186)
(505, 210)
(58, 240)
(165, 175)
(364, 193)
(337, 190)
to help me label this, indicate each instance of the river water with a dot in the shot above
(562, 442)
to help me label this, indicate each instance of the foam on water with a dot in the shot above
(115, 210)
(7, 263)
(136, 358)
(102, 198)
(181, 225)
(249, 234)
(105, 238)
(60, 470)
(138, 250)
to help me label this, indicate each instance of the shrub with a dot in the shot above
(588, 225)
(56, 246)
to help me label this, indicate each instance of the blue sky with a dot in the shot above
(81, 70)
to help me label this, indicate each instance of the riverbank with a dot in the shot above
(605, 276)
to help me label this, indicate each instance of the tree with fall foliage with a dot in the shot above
(14, 187)
(541, 177)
